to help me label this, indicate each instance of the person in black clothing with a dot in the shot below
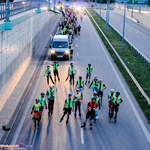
(79, 28)
(69, 105)
(90, 112)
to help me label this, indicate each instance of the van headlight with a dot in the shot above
(67, 52)
(52, 52)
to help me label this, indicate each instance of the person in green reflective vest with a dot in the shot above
(80, 85)
(110, 96)
(94, 83)
(50, 98)
(42, 101)
(77, 100)
(55, 70)
(61, 32)
(48, 75)
(88, 75)
(69, 105)
(36, 115)
(116, 101)
(100, 88)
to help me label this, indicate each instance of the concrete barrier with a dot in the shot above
(18, 46)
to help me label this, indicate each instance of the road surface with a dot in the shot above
(127, 133)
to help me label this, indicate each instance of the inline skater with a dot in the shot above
(51, 97)
(90, 112)
(88, 75)
(80, 85)
(94, 83)
(100, 88)
(69, 105)
(77, 100)
(55, 70)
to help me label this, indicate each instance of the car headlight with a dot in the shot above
(52, 51)
(67, 52)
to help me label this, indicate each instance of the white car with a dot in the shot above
(60, 47)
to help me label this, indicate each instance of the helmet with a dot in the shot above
(69, 94)
(112, 90)
(95, 76)
(93, 98)
(89, 64)
(94, 92)
(100, 80)
(48, 66)
(71, 63)
(42, 93)
(78, 90)
(36, 100)
(50, 86)
(56, 61)
(117, 93)
(80, 77)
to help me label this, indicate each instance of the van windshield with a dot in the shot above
(60, 44)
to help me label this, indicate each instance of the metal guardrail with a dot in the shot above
(122, 62)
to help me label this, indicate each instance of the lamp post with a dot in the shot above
(107, 14)
(49, 5)
(124, 25)
(100, 12)
(7, 11)
(54, 5)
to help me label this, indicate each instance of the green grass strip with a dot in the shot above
(135, 63)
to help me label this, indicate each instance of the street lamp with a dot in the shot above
(7, 11)
(124, 25)
(107, 14)
(100, 11)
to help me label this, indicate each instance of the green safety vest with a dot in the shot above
(48, 71)
(110, 96)
(89, 69)
(36, 106)
(55, 67)
(67, 103)
(42, 101)
(77, 98)
(100, 88)
(117, 100)
(61, 31)
(97, 99)
(50, 93)
(64, 29)
(80, 83)
(94, 83)
(71, 70)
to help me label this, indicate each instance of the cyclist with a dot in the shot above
(77, 100)
(90, 112)
(51, 97)
(88, 75)
(80, 85)
(55, 70)
(94, 83)
(116, 101)
(100, 88)
(36, 113)
(69, 105)
(110, 96)
(48, 75)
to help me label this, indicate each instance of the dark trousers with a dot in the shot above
(36, 122)
(50, 78)
(77, 107)
(50, 106)
(72, 79)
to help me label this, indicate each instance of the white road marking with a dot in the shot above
(82, 136)
(77, 54)
(124, 89)
(17, 132)
(76, 45)
(78, 72)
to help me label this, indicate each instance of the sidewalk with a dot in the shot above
(134, 33)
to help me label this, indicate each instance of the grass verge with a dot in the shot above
(136, 64)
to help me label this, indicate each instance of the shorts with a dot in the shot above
(116, 108)
(81, 90)
(90, 115)
(56, 73)
(88, 75)
(100, 93)
(67, 111)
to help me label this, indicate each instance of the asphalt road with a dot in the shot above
(127, 133)
(134, 33)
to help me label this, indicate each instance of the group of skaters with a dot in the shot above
(69, 25)
(73, 102)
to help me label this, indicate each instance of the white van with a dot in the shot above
(60, 47)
